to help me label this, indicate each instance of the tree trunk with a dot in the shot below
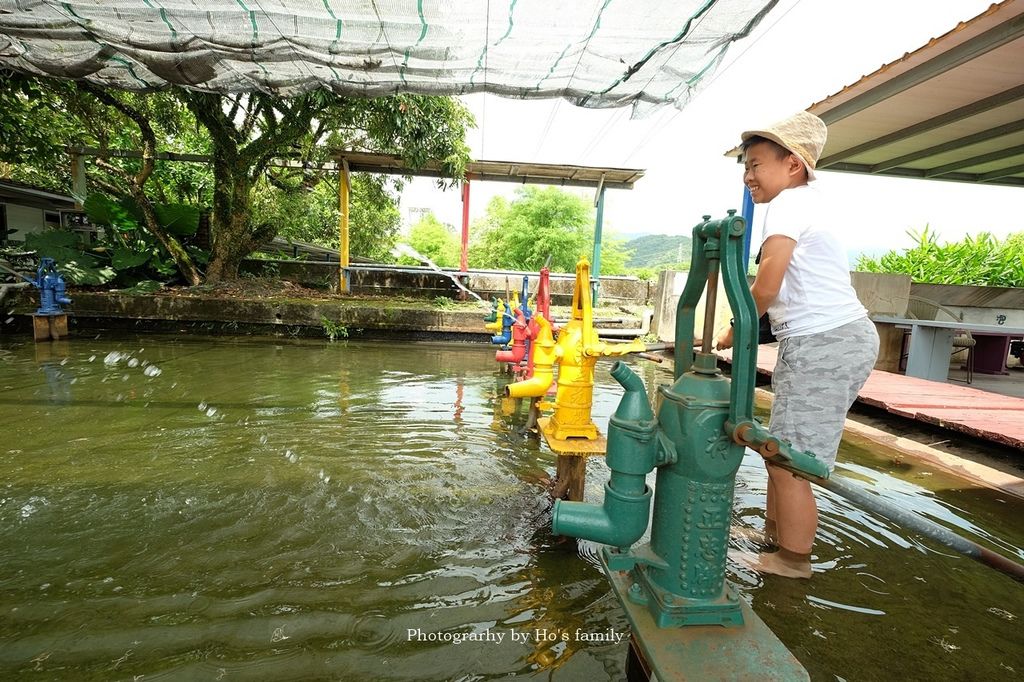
(230, 225)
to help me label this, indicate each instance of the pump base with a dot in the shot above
(571, 446)
(706, 652)
(46, 327)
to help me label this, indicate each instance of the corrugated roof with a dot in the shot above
(951, 110)
(503, 171)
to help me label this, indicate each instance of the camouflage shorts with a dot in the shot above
(816, 379)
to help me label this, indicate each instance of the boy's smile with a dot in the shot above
(766, 174)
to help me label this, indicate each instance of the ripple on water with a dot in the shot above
(354, 494)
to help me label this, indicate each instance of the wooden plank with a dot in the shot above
(989, 416)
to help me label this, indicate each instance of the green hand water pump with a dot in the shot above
(696, 442)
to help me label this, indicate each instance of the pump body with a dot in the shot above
(696, 442)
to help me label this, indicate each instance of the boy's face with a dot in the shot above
(766, 175)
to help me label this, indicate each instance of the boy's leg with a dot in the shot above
(816, 380)
(797, 519)
(797, 511)
(771, 527)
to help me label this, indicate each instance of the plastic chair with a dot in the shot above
(921, 308)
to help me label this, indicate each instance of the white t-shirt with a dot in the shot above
(816, 293)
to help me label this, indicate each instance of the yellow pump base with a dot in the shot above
(583, 446)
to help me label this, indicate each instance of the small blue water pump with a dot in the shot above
(51, 288)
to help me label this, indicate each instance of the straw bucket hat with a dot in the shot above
(803, 133)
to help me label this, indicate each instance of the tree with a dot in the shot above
(312, 214)
(248, 132)
(520, 235)
(614, 254)
(243, 133)
(433, 239)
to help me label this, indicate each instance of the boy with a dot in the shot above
(827, 344)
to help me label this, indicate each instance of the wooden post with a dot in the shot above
(570, 477)
(46, 327)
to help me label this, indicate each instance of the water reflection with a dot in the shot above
(293, 510)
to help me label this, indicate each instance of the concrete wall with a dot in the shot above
(884, 294)
(881, 294)
(666, 299)
(426, 283)
(982, 305)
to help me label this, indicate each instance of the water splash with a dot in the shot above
(406, 250)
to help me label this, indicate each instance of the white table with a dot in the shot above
(931, 343)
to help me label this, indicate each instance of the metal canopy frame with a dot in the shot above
(502, 171)
(951, 110)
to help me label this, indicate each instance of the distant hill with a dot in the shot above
(658, 249)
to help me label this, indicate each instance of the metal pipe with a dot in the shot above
(630, 332)
(709, 307)
(15, 285)
(17, 274)
(922, 525)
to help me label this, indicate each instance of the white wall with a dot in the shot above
(24, 219)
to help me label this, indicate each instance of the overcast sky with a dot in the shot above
(804, 51)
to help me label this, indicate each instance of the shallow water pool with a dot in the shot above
(214, 508)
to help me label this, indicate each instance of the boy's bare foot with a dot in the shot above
(776, 564)
(782, 563)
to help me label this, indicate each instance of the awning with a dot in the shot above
(951, 110)
(595, 53)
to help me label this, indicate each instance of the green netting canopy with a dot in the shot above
(595, 53)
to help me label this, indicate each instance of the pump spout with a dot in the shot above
(632, 453)
(543, 354)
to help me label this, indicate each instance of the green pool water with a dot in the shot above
(233, 508)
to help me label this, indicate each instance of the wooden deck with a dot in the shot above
(985, 415)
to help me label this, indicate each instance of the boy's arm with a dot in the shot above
(776, 252)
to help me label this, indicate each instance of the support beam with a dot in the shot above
(1001, 173)
(983, 136)
(595, 266)
(1007, 180)
(748, 216)
(974, 108)
(961, 54)
(464, 258)
(344, 189)
(975, 161)
(78, 186)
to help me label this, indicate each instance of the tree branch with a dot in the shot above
(148, 136)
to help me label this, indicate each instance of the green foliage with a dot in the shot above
(520, 235)
(614, 254)
(433, 239)
(978, 261)
(645, 273)
(311, 214)
(34, 124)
(77, 266)
(658, 250)
(135, 255)
(333, 330)
(444, 303)
(244, 132)
(374, 218)
(145, 286)
(180, 220)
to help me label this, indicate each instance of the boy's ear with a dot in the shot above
(794, 165)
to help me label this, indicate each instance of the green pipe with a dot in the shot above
(622, 517)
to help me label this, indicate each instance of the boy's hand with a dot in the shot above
(724, 339)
